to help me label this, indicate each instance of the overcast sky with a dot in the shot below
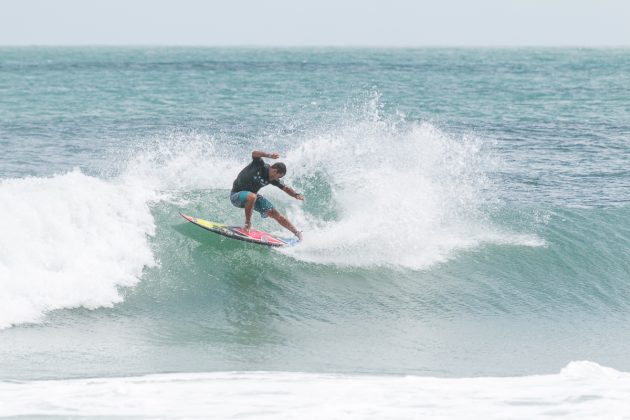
(320, 22)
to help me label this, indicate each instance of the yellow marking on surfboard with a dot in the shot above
(208, 224)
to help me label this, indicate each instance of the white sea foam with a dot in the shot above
(68, 241)
(72, 240)
(582, 390)
(410, 196)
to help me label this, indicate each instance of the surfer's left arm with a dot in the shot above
(293, 193)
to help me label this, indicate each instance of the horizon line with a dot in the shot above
(296, 46)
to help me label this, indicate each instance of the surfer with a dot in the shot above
(251, 179)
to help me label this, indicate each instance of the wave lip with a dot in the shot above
(583, 390)
(69, 241)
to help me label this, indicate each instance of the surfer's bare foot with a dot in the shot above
(247, 227)
(299, 235)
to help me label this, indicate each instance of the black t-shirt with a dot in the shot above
(253, 177)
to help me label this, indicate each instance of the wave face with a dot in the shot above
(476, 241)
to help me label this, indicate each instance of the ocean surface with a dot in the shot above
(466, 223)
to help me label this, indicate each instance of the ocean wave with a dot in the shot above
(379, 193)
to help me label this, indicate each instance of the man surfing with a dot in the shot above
(251, 179)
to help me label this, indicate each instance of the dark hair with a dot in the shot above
(280, 167)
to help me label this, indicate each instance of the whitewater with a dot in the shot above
(582, 390)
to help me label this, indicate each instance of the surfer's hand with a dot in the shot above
(273, 155)
(299, 197)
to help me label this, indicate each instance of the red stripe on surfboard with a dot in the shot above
(259, 236)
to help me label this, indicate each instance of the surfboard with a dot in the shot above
(237, 232)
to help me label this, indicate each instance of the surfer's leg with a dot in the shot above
(250, 201)
(284, 222)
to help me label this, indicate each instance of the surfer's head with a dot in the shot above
(277, 171)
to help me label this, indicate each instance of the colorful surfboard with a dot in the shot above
(237, 232)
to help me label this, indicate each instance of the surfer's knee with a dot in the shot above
(251, 198)
(273, 213)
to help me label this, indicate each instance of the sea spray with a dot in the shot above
(404, 194)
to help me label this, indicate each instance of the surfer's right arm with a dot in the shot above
(257, 154)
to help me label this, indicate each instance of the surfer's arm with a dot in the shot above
(257, 154)
(293, 193)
